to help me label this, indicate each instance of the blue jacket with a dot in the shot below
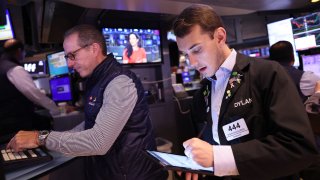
(125, 159)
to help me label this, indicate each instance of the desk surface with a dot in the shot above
(28, 173)
(67, 121)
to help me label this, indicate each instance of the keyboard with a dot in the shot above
(11, 160)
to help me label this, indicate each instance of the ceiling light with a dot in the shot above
(314, 1)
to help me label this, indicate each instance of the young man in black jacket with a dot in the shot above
(257, 126)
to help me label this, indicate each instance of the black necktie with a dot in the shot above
(214, 77)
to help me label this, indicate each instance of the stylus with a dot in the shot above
(202, 130)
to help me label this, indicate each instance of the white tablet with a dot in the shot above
(178, 163)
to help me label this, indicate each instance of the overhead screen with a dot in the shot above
(6, 31)
(148, 41)
(282, 31)
(306, 31)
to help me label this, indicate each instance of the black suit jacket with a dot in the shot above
(280, 141)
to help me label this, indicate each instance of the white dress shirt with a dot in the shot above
(308, 82)
(224, 163)
(22, 80)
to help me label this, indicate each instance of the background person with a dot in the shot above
(134, 53)
(305, 81)
(313, 108)
(117, 125)
(257, 125)
(313, 102)
(18, 94)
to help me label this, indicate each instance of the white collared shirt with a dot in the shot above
(218, 88)
(224, 163)
(22, 80)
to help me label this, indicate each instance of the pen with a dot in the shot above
(198, 136)
(202, 130)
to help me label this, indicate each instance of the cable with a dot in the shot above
(153, 82)
(181, 111)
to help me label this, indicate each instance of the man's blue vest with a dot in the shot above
(125, 159)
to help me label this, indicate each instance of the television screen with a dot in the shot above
(306, 31)
(37, 68)
(57, 64)
(311, 63)
(61, 89)
(133, 46)
(259, 52)
(282, 31)
(6, 31)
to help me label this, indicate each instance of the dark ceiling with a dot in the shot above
(223, 7)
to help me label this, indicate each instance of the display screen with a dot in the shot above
(311, 63)
(133, 46)
(57, 64)
(61, 89)
(37, 68)
(6, 31)
(259, 52)
(306, 31)
(179, 163)
(282, 31)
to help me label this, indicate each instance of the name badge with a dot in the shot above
(235, 129)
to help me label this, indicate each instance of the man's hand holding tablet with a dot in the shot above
(198, 151)
(178, 163)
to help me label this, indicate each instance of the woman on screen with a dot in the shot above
(134, 53)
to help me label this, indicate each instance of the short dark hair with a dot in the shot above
(88, 34)
(197, 14)
(282, 52)
(11, 48)
(12, 45)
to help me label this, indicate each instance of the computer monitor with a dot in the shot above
(311, 63)
(306, 31)
(6, 31)
(149, 41)
(36, 68)
(57, 64)
(284, 33)
(61, 90)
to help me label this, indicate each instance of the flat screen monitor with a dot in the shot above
(36, 68)
(311, 63)
(306, 31)
(61, 90)
(6, 31)
(134, 46)
(57, 64)
(282, 31)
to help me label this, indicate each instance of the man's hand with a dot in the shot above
(200, 151)
(24, 140)
(188, 176)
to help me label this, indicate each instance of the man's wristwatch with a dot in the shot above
(42, 137)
